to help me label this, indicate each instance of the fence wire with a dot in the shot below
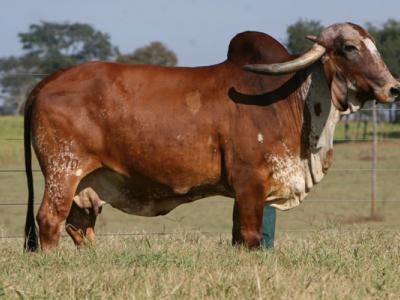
(303, 202)
(334, 141)
(320, 201)
(29, 74)
(129, 234)
(330, 170)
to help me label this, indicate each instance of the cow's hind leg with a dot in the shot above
(237, 238)
(60, 187)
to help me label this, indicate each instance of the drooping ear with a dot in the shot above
(88, 200)
(339, 91)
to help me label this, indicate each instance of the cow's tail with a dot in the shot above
(31, 239)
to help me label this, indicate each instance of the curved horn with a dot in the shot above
(312, 38)
(294, 65)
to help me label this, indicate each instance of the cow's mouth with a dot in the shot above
(388, 94)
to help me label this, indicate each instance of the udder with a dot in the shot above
(134, 195)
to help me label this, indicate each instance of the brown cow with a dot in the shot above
(146, 139)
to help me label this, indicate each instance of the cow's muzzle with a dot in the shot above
(395, 92)
(390, 92)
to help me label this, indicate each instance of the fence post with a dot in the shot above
(374, 160)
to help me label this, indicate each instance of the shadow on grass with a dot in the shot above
(361, 219)
(393, 134)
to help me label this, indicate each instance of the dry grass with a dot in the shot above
(328, 264)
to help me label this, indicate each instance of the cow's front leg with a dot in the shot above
(248, 215)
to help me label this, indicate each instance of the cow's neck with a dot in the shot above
(320, 119)
(294, 176)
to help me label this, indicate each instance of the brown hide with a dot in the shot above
(148, 138)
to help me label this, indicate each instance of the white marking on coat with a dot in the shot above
(305, 88)
(287, 170)
(290, 178)
(371, 46)
(193, 102)
(60, 164)
(260, 138)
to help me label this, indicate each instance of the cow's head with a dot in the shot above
(352, 64)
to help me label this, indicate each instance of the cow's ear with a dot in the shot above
(339, 91)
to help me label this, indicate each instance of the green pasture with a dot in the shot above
(329, 264)
(326, 248)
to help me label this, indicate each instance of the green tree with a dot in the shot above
(296, 33)
(156, 53)
(16, 82)
(48, 47)
(61, 45)
(387, 38)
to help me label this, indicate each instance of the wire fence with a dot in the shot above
(321, 201)
(216, 233)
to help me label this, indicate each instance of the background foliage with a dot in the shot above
(51, 46)
(156, 53)
(296, 33)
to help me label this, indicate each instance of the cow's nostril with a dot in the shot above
(395, 91)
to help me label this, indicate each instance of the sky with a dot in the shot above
(198, 31)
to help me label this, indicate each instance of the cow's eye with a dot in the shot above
(349, 48)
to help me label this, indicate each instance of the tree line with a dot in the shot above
(49, 46)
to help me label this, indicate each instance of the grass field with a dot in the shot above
(326, 248)
(330, 264)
